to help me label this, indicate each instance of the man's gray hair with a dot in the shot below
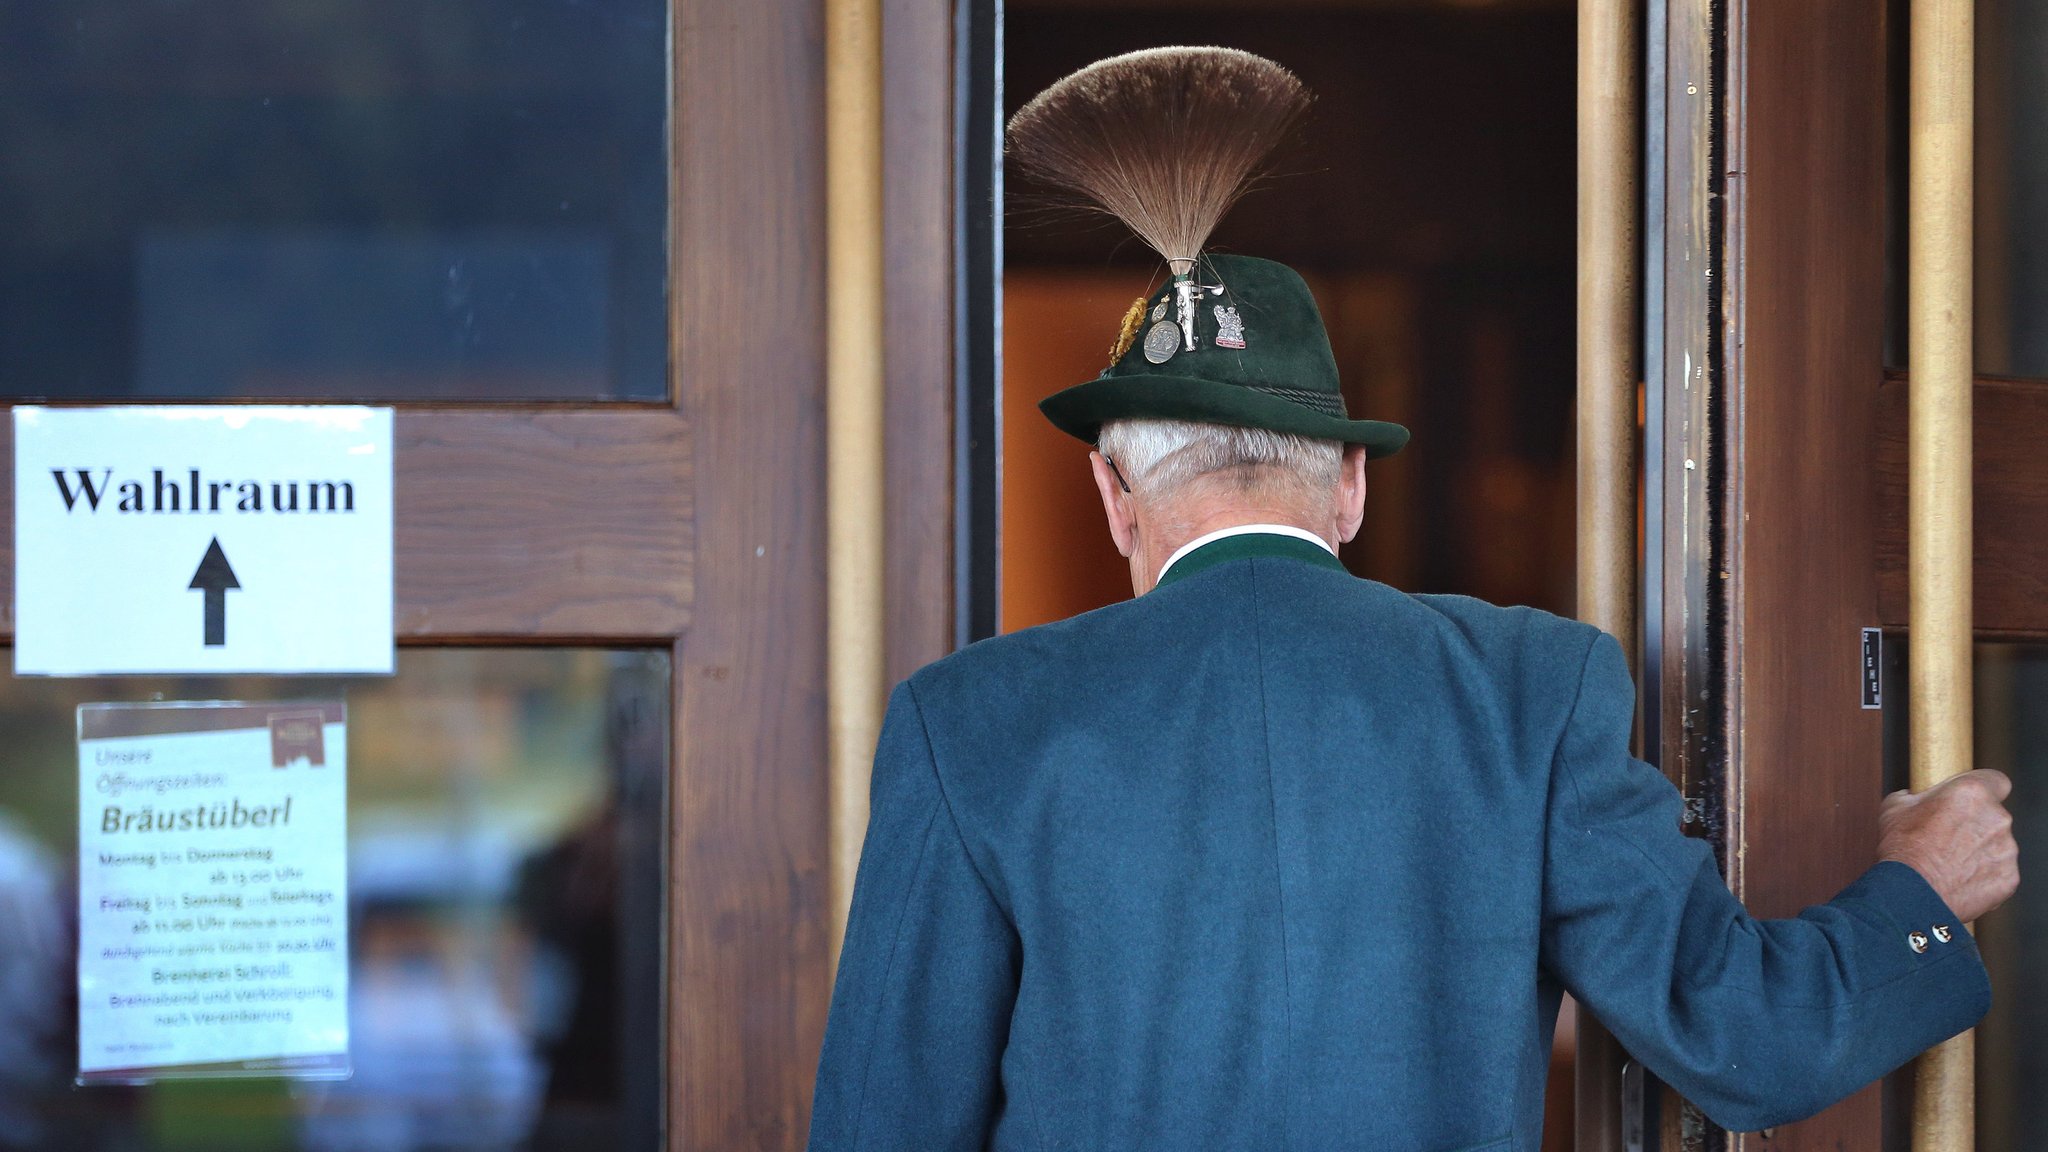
(1160, 457)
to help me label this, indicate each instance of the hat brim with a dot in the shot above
(1082, 410)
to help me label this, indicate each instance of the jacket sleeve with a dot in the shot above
(927, 975)
(1758, 1022)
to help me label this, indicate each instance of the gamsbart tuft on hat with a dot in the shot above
(1166, 140)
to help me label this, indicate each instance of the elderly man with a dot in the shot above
(1272, 857)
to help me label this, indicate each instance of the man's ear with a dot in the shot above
(1351, 492)
(1116, 506)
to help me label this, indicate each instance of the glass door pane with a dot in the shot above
(505, 829)
(354, 200)
(2012, 1067)
(2011, 736)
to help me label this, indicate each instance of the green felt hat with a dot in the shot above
(1259, 359)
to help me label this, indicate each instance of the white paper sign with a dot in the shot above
(202, 539)
(212, 890)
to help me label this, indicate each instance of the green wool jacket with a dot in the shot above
(1275, 858)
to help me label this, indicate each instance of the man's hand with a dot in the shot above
(1958, 836)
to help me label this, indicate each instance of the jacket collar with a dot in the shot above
(1249, 540)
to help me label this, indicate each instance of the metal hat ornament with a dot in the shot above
(1166, 140)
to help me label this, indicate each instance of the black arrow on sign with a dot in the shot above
(215, 578)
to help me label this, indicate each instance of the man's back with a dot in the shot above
(1273, 857)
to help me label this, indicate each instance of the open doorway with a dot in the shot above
(1428, 200)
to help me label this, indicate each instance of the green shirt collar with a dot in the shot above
(1243, 545)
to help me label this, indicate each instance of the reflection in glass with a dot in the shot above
(2011, 736)
(325, 199)
(505, 831)
(2011, 175)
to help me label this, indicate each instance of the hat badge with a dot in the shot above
(1229, 327)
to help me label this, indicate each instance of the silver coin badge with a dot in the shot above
(1229, 328)
(1162, 340)
(1159, 311)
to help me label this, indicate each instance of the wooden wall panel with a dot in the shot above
(535, 525)
(1804, 315)
(747, 860)
(2011, 481)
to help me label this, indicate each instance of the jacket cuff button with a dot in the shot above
(1917, 941)
(1942, 933)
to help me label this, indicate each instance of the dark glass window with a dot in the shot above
(2011, 723)
(337, 199)
(505, 829)
(2010, 202)
(2012, 189)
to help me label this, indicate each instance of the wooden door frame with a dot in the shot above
(1770, 345)
(748, 981)
(921, 235)
(1804, 317)
(747, 879)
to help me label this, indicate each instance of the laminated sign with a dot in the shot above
(202, 539)
(212, 890)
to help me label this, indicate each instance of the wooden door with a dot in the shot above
(689, 528)
(1777, 466)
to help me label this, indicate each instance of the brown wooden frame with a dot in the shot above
(2011, 490)
(747, 861)
(505, 530)
(918, 253)
(748, 981)
(1805, 316)
(1774, 323)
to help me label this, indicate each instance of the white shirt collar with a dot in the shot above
(1243, 530)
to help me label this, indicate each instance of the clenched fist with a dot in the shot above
(1958, 836)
